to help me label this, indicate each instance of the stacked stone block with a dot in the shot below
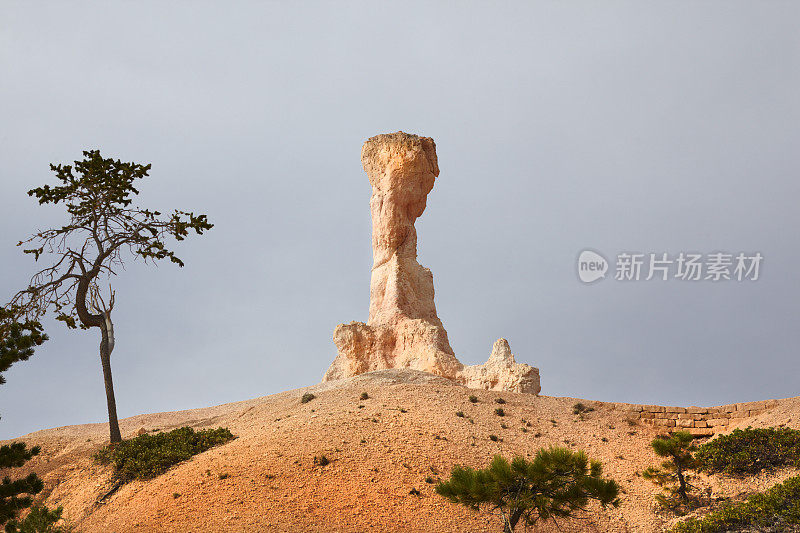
(699, 421)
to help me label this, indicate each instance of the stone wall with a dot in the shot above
(699, 421)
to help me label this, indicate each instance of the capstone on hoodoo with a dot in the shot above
(403, 329)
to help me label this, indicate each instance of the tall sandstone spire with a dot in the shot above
(403, 329)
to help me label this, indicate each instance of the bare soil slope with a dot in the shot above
(380, 449)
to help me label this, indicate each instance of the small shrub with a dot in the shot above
(553, 421)
(524, 429)
(364, 396)
(414, 492)
(40, 519)
(777, 509)
(224, 475)
(149, 455)
(321, 460)
(579, 408)
(403, 410)
(500, 401)
(460, 414)
(499, 412)
(176, 495)
(473, 399)
(749, 451)
(503, 425)
(493, 438)
(429, 480)
(307, 397)
(604, 439)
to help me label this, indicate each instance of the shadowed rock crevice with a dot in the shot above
(403, 329)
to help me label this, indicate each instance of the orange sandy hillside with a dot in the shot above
(380, 449)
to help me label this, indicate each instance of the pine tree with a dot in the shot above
(18, 340)
(555, 484)
(102, 228)
(672, 475)
(11, 501)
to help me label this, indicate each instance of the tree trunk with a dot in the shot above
(681, 484)
(512, 521)
(106, 347)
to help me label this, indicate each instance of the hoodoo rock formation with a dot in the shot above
(403, 329)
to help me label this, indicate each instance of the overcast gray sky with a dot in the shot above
(651, 127)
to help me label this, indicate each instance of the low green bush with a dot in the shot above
(40, 519)
(147, 456)
(749, 451)
(777, 509)
(307, 397)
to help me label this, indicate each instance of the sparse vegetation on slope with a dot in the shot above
(777, 509)
(749, 451)
(274, 485)
(40, 519)
(147, 456)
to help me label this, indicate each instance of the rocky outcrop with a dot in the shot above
(501, 372)
(403, 329)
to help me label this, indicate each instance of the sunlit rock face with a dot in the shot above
(501, 372)
(403, 329)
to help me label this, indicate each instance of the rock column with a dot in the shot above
(403, 329)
